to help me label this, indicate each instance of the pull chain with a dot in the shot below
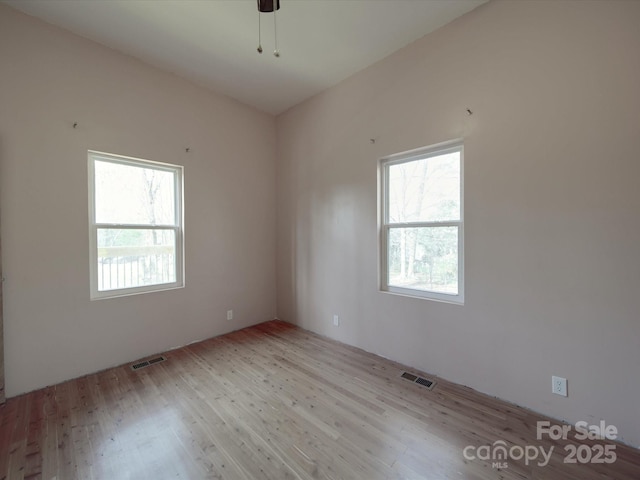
(276, 52)
(268, 6)
(259, 35)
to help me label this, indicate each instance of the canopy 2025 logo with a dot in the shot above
(499, 453)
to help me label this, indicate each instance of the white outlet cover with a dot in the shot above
(229, 314)
(559, 386)
(336, 320)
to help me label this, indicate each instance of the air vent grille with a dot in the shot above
(425, 382)
(409, 376)
(147, 363)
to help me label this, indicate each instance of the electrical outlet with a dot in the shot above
(559, 386)
(336, 321)
(229, 314)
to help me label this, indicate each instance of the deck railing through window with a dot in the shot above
(129, 267)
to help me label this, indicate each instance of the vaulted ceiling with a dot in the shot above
(213, 42)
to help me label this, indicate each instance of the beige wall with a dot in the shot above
(50, 79)
(552, 224)
(552, 205)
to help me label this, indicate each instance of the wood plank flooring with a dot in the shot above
(276, 402)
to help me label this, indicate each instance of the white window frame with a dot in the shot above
(178, 227)
(385, 226)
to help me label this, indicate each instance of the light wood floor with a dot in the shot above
(272, 402)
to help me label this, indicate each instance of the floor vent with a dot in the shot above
(147, 363)
(428, 384)
(409, 376)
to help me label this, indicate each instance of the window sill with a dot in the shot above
(441, 298)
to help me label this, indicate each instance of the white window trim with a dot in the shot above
(385, 226)
(95, 294)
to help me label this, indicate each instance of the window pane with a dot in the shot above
(424, 258)
(130, 258)
(128, 194)
(426, 190)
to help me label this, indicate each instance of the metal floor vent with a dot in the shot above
(147, 363)
(428, 384)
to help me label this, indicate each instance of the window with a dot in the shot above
(135, 225)
(421, 206)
